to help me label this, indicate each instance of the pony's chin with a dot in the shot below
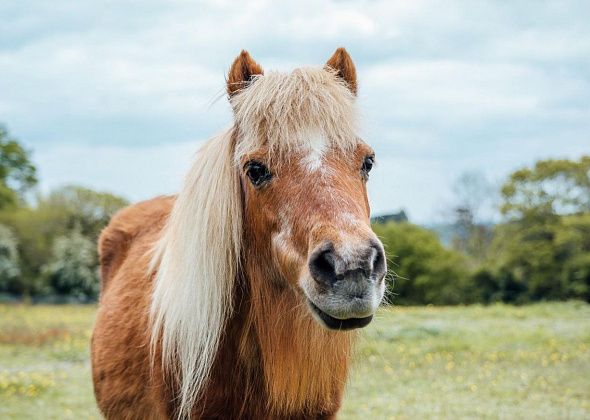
(332, 323)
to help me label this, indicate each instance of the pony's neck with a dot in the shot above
(304, 365)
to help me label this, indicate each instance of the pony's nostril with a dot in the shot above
(322, 265)
(324, 262)
(378, 261)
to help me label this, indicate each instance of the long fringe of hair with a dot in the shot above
(197, 260)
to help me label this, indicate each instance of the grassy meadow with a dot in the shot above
(420, 362)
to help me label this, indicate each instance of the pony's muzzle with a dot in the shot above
(348, 283)
(327, 266)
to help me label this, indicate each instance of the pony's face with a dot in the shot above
(310, 206)
(315, 211)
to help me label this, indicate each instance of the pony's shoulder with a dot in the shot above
(126, 226)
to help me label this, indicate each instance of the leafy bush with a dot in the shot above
(9, 264)
(73, 269)
(422, 270)
(547, 260)
(54, 216)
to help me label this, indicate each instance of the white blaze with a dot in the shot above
(317, 146)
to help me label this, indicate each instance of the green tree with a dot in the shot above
(525, 258)
(422, 270)
(9, 264)
(543, 261)
(78, 207)
(542, 252)
(551, 187)
(17, 173)
(572, 242)
(73, 269)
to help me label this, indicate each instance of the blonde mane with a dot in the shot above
(197, 259)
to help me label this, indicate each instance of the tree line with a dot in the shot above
(539, 251)
(47, 241)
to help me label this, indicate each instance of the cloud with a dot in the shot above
(444, 87)
(135, 173)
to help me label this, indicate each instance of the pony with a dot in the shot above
(239, 297)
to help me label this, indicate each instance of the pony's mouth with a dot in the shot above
(339, 324)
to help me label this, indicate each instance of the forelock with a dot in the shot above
(285, 112)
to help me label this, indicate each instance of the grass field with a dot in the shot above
(462, 362)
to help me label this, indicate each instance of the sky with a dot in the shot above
(118, 95)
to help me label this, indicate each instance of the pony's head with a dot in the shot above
(303, 171)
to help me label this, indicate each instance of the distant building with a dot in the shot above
(398, 217)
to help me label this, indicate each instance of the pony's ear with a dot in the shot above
(241, 72)
(342, 63)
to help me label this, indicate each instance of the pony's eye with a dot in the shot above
(257, 172)
(368, 165)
